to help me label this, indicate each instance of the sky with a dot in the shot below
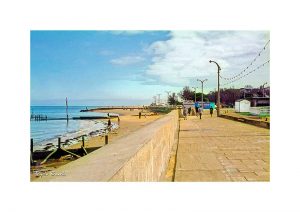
(130, 67)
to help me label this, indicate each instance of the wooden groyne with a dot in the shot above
(44, 155)
(45, 118)
(39, 117)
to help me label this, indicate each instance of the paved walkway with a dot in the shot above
(217, 149)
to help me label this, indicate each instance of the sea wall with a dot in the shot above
(151, 160)
(258, 123)
(140, 156)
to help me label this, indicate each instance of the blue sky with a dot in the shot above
(130, 67)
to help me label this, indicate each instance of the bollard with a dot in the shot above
(106, 139)
(59, 139)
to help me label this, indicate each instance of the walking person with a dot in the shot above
(184, 113)
(211, 111)
(109, 125)
(189, 111)
(200, 112)
(196, 108)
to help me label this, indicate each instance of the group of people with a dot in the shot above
(198, 110)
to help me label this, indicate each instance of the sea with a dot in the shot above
(43, 132)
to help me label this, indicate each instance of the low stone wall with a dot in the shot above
(140, 156)
(257, 123)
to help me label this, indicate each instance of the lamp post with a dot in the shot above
(202, 81)
(263, 87)
(218, 98)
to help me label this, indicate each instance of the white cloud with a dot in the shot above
(184, 57)
(127, 60)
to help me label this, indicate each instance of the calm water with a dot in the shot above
(47, 130)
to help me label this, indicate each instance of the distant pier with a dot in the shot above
(116, 107)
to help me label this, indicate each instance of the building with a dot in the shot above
(188, 104)
(259, 101)
(242, 105)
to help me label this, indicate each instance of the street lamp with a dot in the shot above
(202, 81)
(263, 87)
(218, 98)
(195, 93)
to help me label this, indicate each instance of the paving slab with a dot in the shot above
(215, 149)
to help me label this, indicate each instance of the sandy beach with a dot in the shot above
(129, 122)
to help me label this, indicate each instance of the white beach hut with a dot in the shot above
(242, 105)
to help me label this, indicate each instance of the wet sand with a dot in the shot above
(122, 112)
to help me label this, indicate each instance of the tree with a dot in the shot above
(187, 94)
(199, 97)
(212, 96)
(227, 96)
(172, 100)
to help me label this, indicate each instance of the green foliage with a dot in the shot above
(245, 113)
(187, 94)
(161, 110)
(264, 115)
(172, 100)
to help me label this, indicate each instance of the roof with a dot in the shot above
(240, 100)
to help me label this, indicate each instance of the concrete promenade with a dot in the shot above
(217, 149)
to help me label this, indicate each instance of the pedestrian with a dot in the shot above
(211, 111)
(140, 114)
(200, 112)
(196, 108)
(119, 121)
(184, 113)
(189, 111)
